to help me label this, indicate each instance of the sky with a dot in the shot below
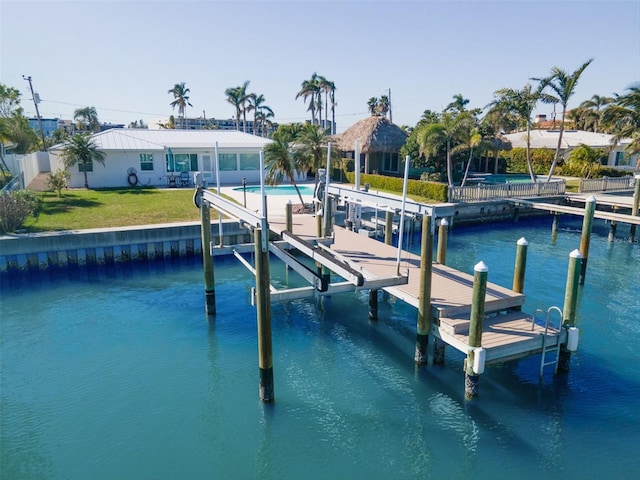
(122, 57)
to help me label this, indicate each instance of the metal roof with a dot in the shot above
(150, 140)
(570, 139)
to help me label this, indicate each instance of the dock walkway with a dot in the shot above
(508, 333)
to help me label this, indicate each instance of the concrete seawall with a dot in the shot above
(104, 246)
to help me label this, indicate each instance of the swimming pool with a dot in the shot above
(278, 190)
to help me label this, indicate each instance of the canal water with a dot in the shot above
(116, 373)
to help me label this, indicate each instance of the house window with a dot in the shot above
(249, 161)
(88, 164)
(390, 162)
(146, 161)
(186, 162)
(228, 162)
(622, 159)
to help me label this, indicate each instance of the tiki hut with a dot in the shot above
(380, 141)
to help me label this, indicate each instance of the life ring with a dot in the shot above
(132, 179)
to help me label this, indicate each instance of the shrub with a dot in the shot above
(58, 180)
(15, 207)
(541, 158)
(432, 190)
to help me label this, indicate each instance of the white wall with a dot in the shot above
(114, 171)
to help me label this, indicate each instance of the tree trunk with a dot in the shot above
(557, 155)
(293, 182)
(529, 162)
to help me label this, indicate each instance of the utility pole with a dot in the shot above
(36, 100)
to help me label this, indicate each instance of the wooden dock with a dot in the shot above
(601, 214)
(508, 333)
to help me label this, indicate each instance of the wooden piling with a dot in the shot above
(475, 329)
(634, 208)
(373, 305)
(569, 307)
(263, 308)
(585, 238)
(554, 227)
(441, 256)
(424, 305)
(326, 230)
(520, 266)
(207, 259)
(318, 225)
(388, 228)
(289, 216)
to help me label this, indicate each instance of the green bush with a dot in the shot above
(541, 158)
(57, 181)
(15, 207)
(432, 190)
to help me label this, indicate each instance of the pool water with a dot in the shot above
(278, 190)
(117, 373)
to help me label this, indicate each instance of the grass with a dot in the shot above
(116, 207)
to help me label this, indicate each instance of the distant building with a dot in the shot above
(50, 125)
(617, 156)
(211, 124)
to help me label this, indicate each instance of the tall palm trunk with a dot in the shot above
(556, 157)
(293, 182)
(529, 162)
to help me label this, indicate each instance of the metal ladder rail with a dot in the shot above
(553, 348)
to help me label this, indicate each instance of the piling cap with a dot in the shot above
(575, 254)
(444, 222)
(523, 241)
(481, 267)
(591, 199)
(289, 202)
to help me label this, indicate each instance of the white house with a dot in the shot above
(618, 157)
(158, 157)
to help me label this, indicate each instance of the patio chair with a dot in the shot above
(184, 179)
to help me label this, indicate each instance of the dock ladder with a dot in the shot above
(553, 349)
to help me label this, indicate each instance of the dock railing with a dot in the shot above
(606, 184)
(498, 191)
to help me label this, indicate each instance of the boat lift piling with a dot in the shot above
(634, 208)
(569, 308)
(585, 238)
(442, 242)
(474, 363)
(424, 306)
(520, 266)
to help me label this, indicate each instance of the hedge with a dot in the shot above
(431, 190)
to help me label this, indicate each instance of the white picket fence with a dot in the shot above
(498, 191)
(606, 184)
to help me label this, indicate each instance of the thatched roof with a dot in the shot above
(376, 134)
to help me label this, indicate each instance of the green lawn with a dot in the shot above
(80, 209)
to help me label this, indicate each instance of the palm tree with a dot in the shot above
(595, 106)
(458, 105)
(474, 140)
(260, 111)
(563, 86)
(87, 119)
(313, 141)
(237, 96)
(310, 89)
(445, 133)
(81, 150)
(283, 160)
(372, 104)
(622, 118)
(520, 103)
(181, 99)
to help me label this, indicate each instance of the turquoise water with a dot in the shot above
(502, 178)
(116, 373)
(278, 190)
